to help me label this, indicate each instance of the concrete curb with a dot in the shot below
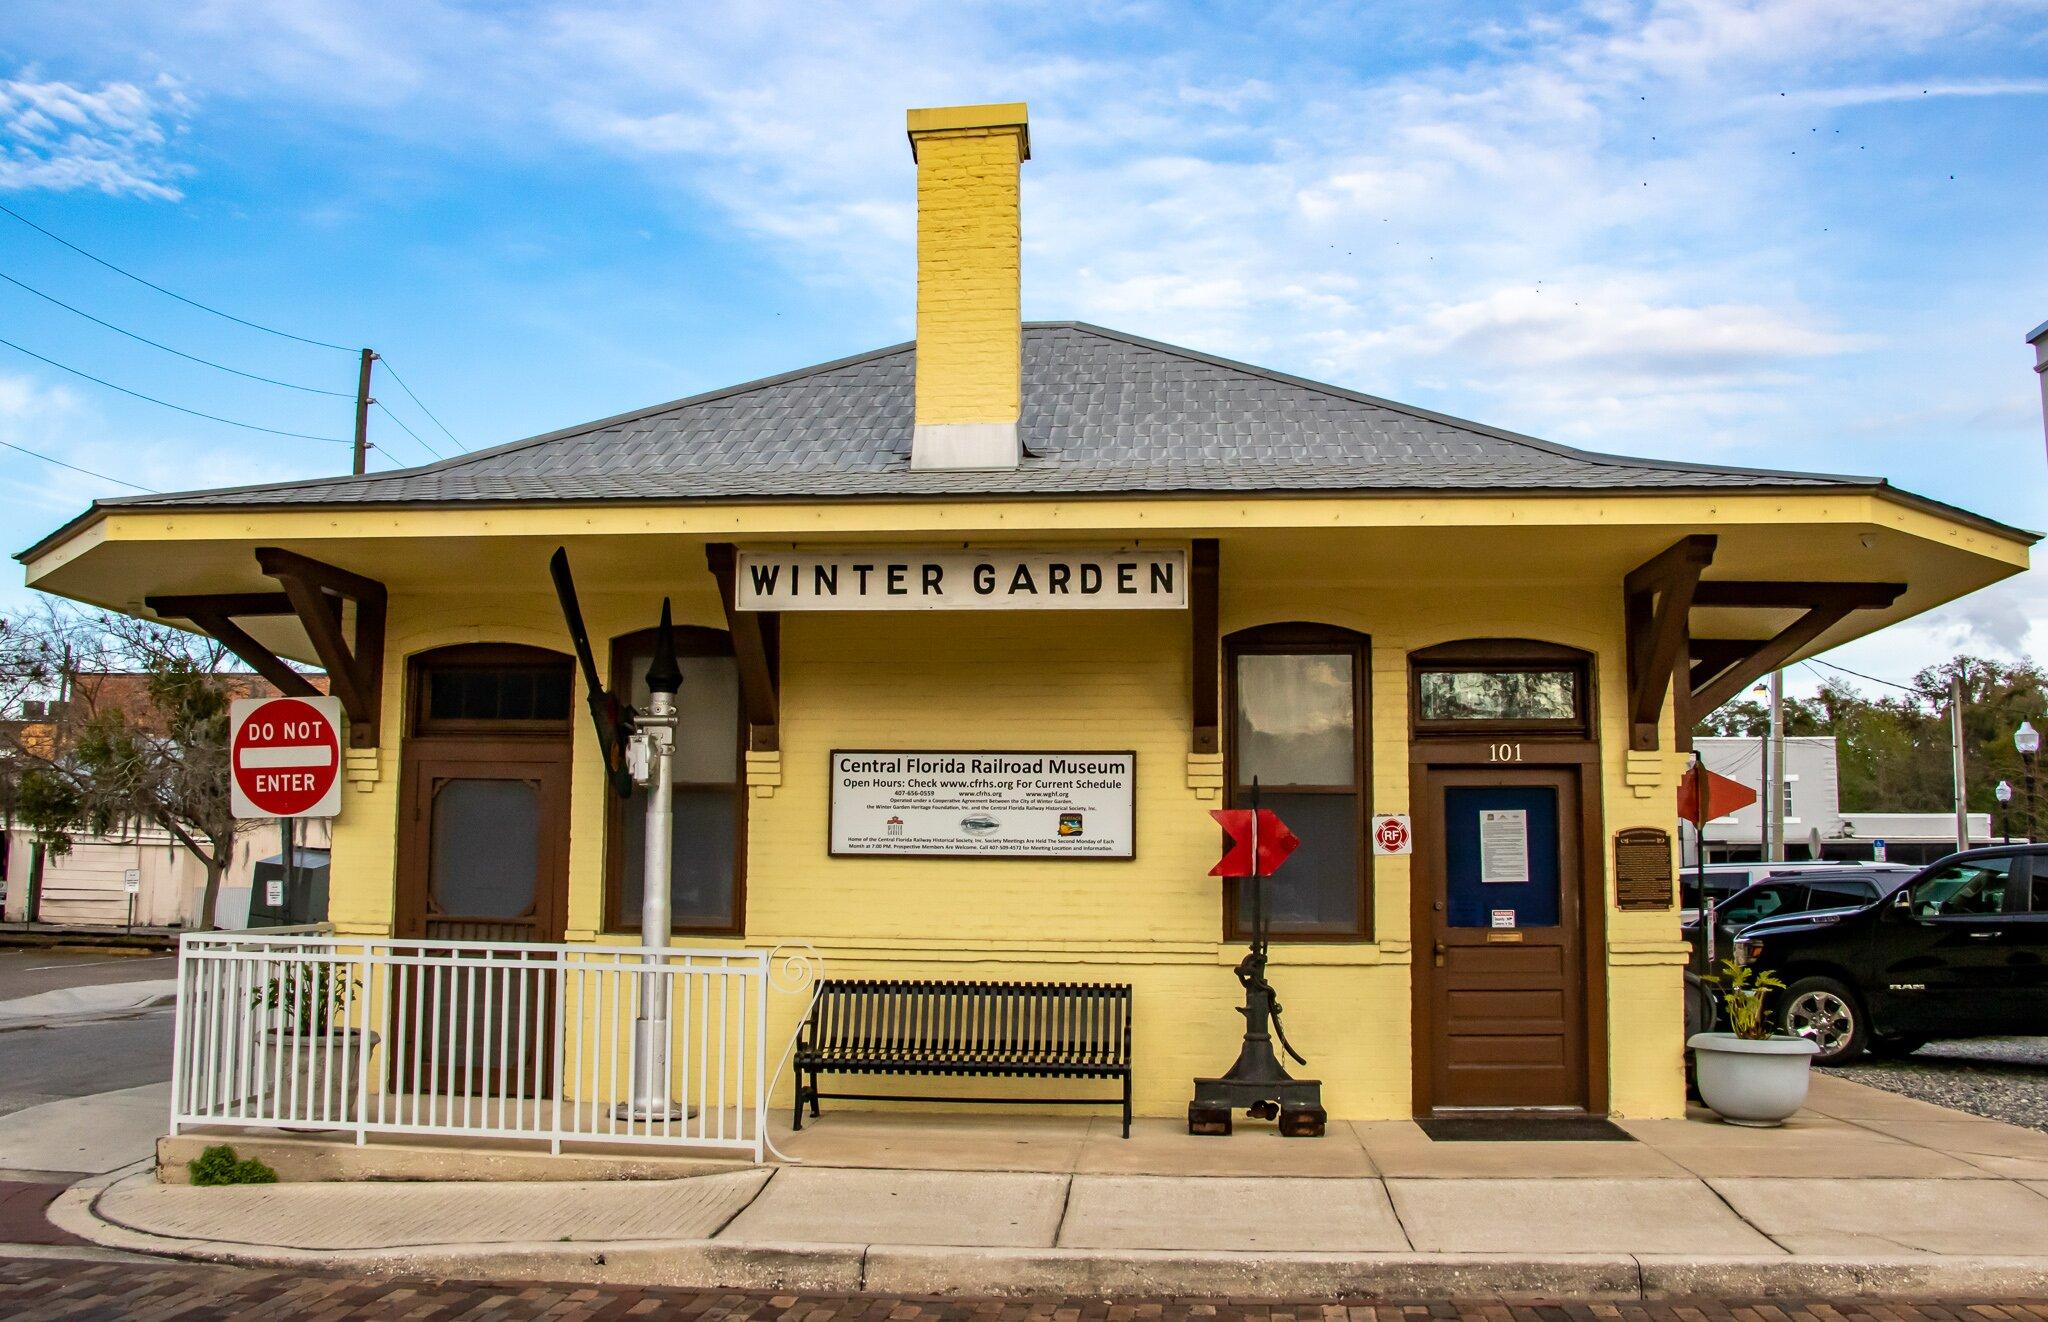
(942, 1270)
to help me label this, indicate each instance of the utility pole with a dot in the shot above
(1955, 713)
(1763, 792)
(362, 455)
(1776, 784)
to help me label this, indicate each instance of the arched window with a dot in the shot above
(1299, 722)
(709, 847)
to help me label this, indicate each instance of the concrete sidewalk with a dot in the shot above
(1865, 1193)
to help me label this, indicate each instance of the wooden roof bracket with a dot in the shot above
(355, 669)
(1205, 652)
(1657, 599)
(313, 591)
(756, 648)
(214, 613)
(1724, 667)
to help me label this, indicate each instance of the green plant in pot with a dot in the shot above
(1750, 1075)
(312, 1056)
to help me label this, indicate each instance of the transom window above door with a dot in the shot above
(1298, 726)
(1501, 685)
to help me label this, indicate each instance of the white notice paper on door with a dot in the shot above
(1504, 845)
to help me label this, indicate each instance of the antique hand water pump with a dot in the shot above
(1257, 1082)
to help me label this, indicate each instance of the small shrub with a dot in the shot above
(218, 1165)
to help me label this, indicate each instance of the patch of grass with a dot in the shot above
(218, 1165)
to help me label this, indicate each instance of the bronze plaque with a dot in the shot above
(1642, 868)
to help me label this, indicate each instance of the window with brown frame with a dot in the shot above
(709, 845)
(490, 688)
(1483, 686)
(1298, 720)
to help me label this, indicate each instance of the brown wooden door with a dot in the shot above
(484, 858)
(1499, 939)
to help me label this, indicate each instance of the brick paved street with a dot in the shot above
(38, 1289)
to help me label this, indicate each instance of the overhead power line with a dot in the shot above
(37, 454)
(171, 293)
(388, 371)
(407, 430)
(1903, 688)
(144, 339)
(136, 394)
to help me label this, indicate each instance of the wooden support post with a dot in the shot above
(756, 648)
(1657, 599)
(1205, 655)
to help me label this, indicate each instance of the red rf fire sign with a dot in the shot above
(285, 757)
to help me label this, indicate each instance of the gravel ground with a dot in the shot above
(2004, 1078)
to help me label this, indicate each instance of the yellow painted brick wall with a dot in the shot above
(969, 318)
(1108, 680)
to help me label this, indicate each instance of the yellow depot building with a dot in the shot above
(977, 630)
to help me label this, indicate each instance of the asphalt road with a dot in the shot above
(44, 1064)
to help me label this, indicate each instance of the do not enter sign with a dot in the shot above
(285, 757)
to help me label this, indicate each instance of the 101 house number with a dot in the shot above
(1504, 752)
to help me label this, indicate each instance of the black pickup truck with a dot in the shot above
(1961, 950)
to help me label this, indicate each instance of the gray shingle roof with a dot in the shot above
(1104, 414)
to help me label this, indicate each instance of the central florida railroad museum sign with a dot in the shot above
(1000, 805)
(898, 578)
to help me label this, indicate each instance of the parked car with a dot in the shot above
(1959, 950)
(1726, 880)
(1791, 896)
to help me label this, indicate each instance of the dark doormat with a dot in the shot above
(1523, 1129)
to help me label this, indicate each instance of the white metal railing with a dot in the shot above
(468, 1038)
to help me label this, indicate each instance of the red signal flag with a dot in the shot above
(1723, 796)
(1276, 842)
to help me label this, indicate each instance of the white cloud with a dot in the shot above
(62, 137)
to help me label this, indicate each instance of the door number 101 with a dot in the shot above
(1504, 752)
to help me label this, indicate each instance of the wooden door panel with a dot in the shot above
(1505, 1024)
(484, 858)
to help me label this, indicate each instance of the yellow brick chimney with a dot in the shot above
(970, 331)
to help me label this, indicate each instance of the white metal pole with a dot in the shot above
(650, 1092)
(1955, 713)
(1775, 786)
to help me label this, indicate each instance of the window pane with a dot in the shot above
(1499, 695)
(708, 713)
(1317, 887)
(1294, 720)
(1964, 888)
(485, 848)
(498, 693)
(701, 853)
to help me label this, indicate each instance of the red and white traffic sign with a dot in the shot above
(285, 757)
(1392, 835)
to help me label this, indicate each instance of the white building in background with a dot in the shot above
(1815, 825)
(89, 886)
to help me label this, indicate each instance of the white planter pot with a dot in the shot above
(1751, 1082)
(312, 1076)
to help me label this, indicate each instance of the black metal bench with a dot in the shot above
(1056, 1030)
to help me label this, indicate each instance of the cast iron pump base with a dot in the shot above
(1258, 1083)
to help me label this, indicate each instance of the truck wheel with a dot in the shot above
(1827, 1013)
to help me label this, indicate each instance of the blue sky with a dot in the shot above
(1805, 234)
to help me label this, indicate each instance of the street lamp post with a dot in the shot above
(2028, 740)
(2003, 793)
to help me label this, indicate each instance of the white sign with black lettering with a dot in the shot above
(1504, 845)
(983, 805)
(888, 578)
